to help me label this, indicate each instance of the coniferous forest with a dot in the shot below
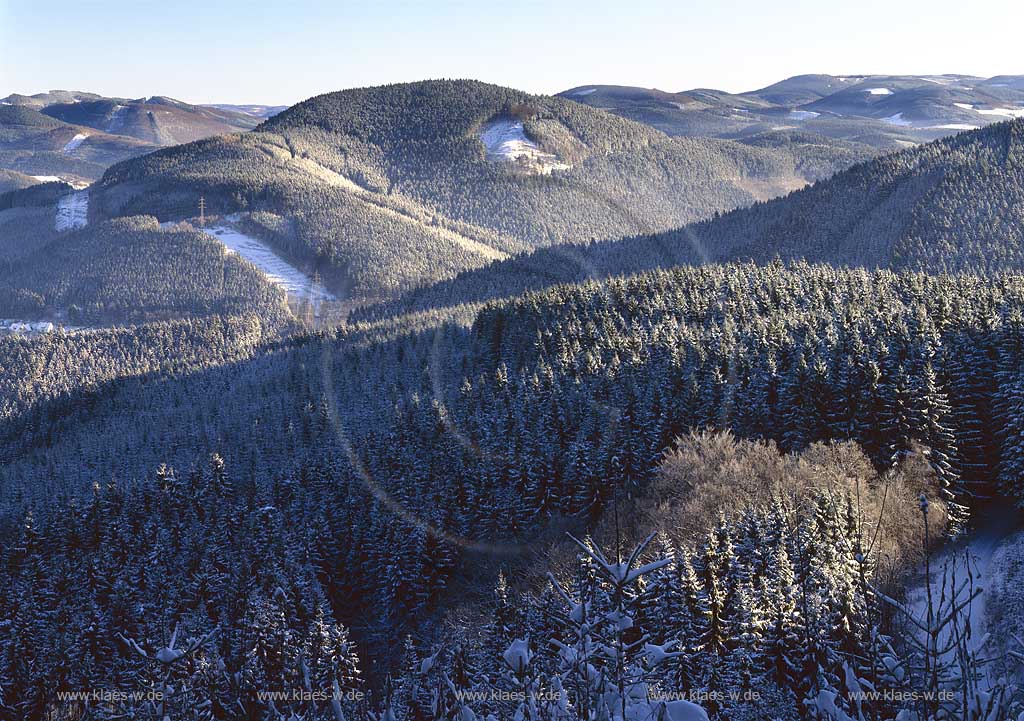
(567, 418)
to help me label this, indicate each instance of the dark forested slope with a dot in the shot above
(395, 460)
(124, 270)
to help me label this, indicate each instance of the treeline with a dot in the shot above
(36, 196)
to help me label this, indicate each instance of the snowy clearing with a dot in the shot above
(965, 106)
(897, 119)
(74, 143)
(505, 140)
(803, 114)
(296, 284)
(47, 178)
(878, 91)
(117, 118)
(952, 126)
(993, 557)
(587, 91)
(73, 211)
(1005, 604)
(1003, 112)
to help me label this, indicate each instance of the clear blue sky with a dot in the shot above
(280, 53)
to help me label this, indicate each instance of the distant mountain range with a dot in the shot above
(76, 135)
(157, 120)
(42, 148)
(883, 111)
(257, 111)
(827, 122)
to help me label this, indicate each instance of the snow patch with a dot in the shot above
(28, 327)
(74, 143)
(505, 140)
(278, 271)
(73, 211)
(952, 126)
(1003, 112)
(586, 91)
(803, 114)
(897, 119)
(965, 106)
(47, 178)
(878, 91)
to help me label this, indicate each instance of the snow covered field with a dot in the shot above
(74, 143)
(1005, 603)
(803, 114)
(953, 126)
(297, 284)
(1003, 112)
(878, 91)
(73, 210)
(505, 140)
(47, 178)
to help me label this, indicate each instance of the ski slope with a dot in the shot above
(73, 211)
(297, 284)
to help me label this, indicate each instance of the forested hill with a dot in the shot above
(355, 466)
(953, 205)
(384, 188)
